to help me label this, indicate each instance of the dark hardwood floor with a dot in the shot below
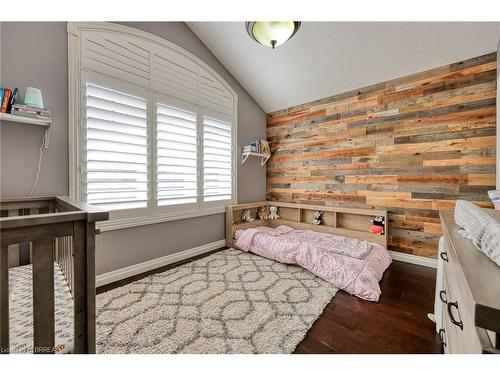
(398, 323)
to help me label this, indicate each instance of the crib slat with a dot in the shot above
(4, 300)
(13, 255)
(67, 259)
(63, 251)
(43, 297)
(24, 248)
(91, 304)
(79, 287)
(69, 256)
(24, 253)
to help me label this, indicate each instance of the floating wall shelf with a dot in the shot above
(25, 120)
(263, 160)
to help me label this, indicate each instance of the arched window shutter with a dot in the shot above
(157, 126)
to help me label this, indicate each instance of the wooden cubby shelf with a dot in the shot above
(343, 221)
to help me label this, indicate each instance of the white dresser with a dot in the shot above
(470, 295)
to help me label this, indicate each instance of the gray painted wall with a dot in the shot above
(40, 60)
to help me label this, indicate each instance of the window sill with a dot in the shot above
(107, 226)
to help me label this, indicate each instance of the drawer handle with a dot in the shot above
(453, 320)
(441, 294)
(444, 256)
(441, 336)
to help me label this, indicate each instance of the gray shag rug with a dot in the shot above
(228, 302)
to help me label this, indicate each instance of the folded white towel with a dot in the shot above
(482, 228)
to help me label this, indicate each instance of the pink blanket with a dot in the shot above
(350, 264)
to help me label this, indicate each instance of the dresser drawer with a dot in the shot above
(449, 335)
(471, 312)
(458, 314)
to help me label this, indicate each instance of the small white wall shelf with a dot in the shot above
(263, 160)
(25, 120)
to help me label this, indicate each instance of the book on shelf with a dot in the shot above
(30, 115)
(5, 100)
(28, 109)
(8, 105)
(254, 146)
(258, 146)
(264, 147)
(12, 99)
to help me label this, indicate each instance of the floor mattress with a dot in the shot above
(21, 311)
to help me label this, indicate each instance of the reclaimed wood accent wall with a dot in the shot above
(412, 145)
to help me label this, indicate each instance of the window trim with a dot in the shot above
(76, 80)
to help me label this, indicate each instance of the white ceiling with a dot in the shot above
(328, 58)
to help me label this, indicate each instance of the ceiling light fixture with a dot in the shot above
(272, 33)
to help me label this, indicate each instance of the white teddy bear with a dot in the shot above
(245, 216)
(273, 213)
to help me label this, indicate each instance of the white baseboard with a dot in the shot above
(415, 259)
(123, 273)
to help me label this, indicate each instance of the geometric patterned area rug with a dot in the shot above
(227, 302)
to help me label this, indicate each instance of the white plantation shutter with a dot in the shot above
(217, 160)
(214, 96)
(176, 156)
(153, 133)
(119, 56)
(115, 172)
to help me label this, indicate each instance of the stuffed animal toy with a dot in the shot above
(245, 216)
(273, 213)
(262, 213)
(378, 225)
(318, 218)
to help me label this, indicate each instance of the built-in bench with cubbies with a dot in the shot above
(343, 221)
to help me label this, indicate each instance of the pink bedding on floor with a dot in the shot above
(352, 265)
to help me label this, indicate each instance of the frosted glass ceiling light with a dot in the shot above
(272, 33)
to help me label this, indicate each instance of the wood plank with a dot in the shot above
(21, 203)
(4, 300)
(43, 297)
(481, 179)
(460, 162)
(91, 286)
(94, 213)
(79, 287)
(228, 228)
(41, 219)
(35, 233)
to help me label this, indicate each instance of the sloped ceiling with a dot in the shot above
(328, 58)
